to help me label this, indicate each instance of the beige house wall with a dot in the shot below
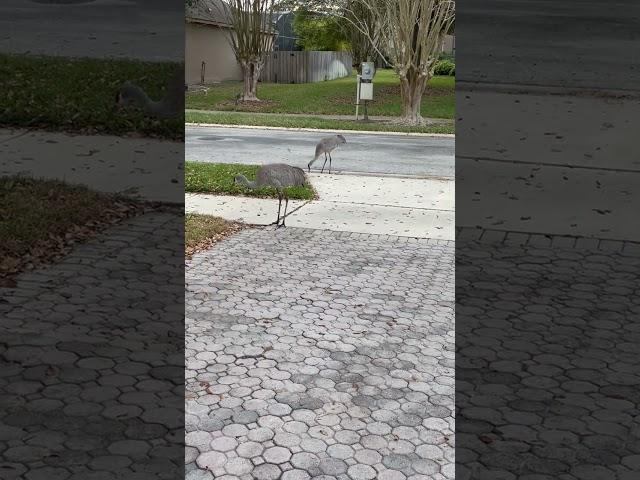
(209, 43)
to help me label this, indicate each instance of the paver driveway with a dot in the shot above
(91, 360)
(317, 354)
(547, 361)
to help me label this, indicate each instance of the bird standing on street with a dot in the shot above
(278, 176)
(326, 146)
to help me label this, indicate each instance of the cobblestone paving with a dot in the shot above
(91, 360)
(547, 382)
(315, 354)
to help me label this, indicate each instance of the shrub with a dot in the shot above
(447, 56)
(445, 67)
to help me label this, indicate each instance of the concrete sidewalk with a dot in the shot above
(404, 207)
(255, 211)
(142, 167)
(560, 177)
(576, 131)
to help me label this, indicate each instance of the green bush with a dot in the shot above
(447, 56)
(445, 67)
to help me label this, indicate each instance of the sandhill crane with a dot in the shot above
(279, 176)
(326, 146)
(171, 105)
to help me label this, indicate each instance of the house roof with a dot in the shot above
(213, 12)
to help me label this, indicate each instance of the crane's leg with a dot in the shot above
(279, 205)
(325, 162)
(286, 204)
(329, 162)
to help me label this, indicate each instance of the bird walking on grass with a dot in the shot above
(326, 146)
(172, 105)
(279, 176)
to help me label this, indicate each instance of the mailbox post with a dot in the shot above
(365, 87)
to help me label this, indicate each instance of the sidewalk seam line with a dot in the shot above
(391, 206)
(545, 164)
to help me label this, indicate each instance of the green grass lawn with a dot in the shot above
(64, 94)
(335, 97)
(218, 179)
(276, 120)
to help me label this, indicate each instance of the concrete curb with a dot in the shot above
(350, 132)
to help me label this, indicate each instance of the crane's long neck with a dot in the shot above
(243, 180)
(141, 97)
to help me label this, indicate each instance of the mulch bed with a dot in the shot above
(209, 242)
(51, 219)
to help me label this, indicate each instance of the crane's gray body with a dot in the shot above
(279, 176)
(326, 146)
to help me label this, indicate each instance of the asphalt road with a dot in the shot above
(588, 44)
(144, 29)
(386, 154)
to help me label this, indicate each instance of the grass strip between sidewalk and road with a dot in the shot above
(218, 179)
(78, 95)
(275, 120)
